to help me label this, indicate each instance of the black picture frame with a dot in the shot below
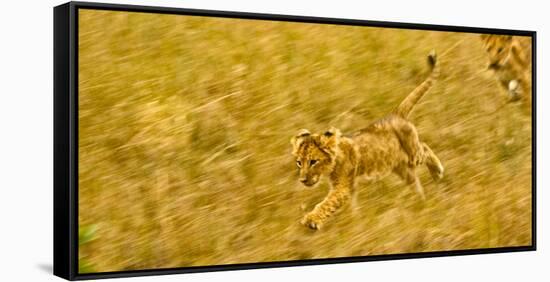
(66, 138)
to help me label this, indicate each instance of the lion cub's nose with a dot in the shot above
(303, 180)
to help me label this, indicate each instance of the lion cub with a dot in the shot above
(389, 145)
(509, 58)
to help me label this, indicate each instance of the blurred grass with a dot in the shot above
(184, 154)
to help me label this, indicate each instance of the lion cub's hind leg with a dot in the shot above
(410, 141)
(433, 163)
(408, 174)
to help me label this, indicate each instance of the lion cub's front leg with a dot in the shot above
(338, 196)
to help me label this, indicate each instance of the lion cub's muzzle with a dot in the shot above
(494, 66)
(309, 181)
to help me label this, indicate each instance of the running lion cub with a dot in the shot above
(510, 59)
(390, 144)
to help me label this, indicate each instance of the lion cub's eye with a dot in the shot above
(299, 163)
(312, 162)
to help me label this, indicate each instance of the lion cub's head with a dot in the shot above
(315, 154)
(498, 49)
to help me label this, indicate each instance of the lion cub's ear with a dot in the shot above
(298, 139)
(329, 140)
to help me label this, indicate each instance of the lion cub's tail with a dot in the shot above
(405, 108)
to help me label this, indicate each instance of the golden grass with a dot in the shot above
(184, 154)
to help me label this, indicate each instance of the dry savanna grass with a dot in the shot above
(184, 154)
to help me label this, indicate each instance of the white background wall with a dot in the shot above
(26, 126)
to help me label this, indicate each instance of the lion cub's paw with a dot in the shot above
(437, 171)
(514, 91)
(310, 222)
(440, 172)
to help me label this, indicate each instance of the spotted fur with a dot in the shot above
(510, 59)
(388, 145)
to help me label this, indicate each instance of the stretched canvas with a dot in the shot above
(190, 140)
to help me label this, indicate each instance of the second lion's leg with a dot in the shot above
(514, 91)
